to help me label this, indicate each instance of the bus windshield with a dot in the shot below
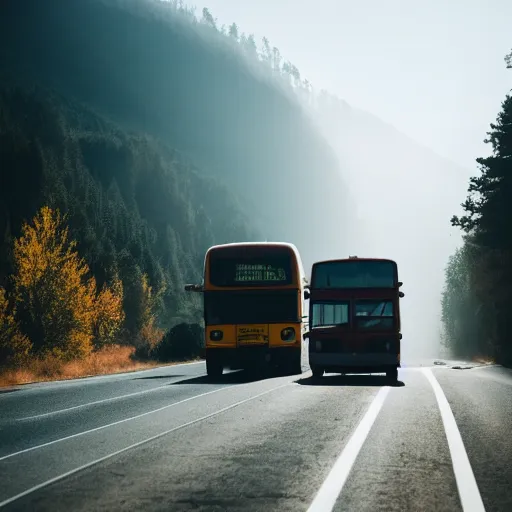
(374, 314)
(268, 269)
(246, 307)
(329, 313)
(355, 274)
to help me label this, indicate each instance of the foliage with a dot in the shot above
(57, 313)
(14, 346)
(459, 306)
(53, 290)
(478, 290)
(109, 314)
(183, 341)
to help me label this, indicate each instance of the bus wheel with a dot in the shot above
(392, 374)
(214, 369)
(318, 372)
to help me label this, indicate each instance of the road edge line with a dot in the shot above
(37, 384)
(96, 429)
(469, 494)
(88, 404)
(135, 445)
(332, 486)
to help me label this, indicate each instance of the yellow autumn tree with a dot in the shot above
(109, 313)
(149, 334)
(54, 292)
(14, 346)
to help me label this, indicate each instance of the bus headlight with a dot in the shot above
(216, 335)
(288, 334)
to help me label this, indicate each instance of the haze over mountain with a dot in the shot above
(406, 195)
(183, 136)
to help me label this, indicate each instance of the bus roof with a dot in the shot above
(251, 244)
(353, 258)
(324, 274)
(287, 245)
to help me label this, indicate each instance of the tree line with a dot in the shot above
(477, 299)
(56, 309)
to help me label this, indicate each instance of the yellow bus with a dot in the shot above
(253, 307)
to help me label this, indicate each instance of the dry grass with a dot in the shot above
(483, 360)
(114, 359)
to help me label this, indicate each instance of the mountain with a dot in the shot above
(161, 134)
(152, 68)
(158, 136)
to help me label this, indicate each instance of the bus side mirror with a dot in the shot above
(305, 336)
(306, 295)
(401, 294)
(400, 284)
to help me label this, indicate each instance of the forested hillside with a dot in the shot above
(477, 300)
(156, 135)
(153, 67)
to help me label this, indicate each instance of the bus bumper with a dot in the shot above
(354, 363)
(238, 358)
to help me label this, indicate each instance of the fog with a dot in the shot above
(432, 71)
(234, 153)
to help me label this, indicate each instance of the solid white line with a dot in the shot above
(91, 403)
(36, 386)
(114, 423)
(331, 488)
(135, 445)
(466, 483)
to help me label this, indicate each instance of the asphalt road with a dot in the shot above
(167, 439)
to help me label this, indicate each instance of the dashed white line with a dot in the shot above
(135, 445)
(466, 483)
(111, 399)
(331, 488)
(114, 423)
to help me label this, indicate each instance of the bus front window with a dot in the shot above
(328, 314)
(371, 314)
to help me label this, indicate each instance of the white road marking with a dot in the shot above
(111, 399)
(135, 445)
(331, 488)
(115, 422)
(466, 484)
(37, 386)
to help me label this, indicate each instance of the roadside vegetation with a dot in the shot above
(56, 322)
(477, 300)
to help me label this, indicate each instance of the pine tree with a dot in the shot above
(489, 205)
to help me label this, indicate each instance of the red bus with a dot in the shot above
(354, 317)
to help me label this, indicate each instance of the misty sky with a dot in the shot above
(434, 69)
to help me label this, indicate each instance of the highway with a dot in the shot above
(167, 439)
